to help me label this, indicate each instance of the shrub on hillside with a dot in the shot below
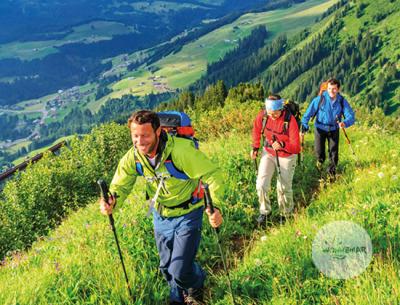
(235, 117)
(45, 192)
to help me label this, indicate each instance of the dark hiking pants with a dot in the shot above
(321, 136)
(178, 240)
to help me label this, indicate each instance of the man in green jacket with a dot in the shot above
(176, 203)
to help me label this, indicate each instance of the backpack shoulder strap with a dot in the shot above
(173, 170)
(341, 100)
(264, 125)
(321, 101)
(286, 120)
(138, 165)
(264, 122)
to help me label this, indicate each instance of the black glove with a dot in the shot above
(304, 128)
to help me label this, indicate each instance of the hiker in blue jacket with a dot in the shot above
(332, 112)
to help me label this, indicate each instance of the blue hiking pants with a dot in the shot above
(178, 240)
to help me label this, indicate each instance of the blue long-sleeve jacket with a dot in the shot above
(326, 116)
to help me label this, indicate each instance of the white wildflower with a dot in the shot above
(258, 262)
(381, 175)
(263, 238)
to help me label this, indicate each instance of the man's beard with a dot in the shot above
(152, 147)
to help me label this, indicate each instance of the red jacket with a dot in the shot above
(290, 139)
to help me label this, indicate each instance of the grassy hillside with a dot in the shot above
(277, 267)
(78, 262)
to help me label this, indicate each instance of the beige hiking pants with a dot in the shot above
(284, 187)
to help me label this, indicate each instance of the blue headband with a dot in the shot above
(273, 105)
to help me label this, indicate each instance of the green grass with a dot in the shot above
(36, 104)
(279, 265)
(87, 33)
(78, 262)
(7, 79)
(15, 148)
(30, 115)
(98, 30)
(28, 50)
(159, 7)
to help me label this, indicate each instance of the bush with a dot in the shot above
(41, 196)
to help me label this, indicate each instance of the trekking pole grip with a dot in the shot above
(209, 203)
(344, 131)
(103, 189)
(105, 194)
(273, 139)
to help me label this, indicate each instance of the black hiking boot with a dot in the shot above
(262, 220)
(283, 218)
(194, 296)
(331, 178)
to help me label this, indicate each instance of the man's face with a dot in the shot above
(332, 91)
(274, 114)
(145, 138)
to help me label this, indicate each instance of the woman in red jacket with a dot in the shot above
(281, 138)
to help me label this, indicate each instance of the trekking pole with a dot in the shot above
(348, 140)
(280, 179)
(210, 205)
(301, 154)
(105, 195)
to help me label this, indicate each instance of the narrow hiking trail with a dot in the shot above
(277, 267)
(240, 245)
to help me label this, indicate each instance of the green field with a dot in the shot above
(15, 148)
(183, 68)
(88, 33)
(37, 151)
(159, 7)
